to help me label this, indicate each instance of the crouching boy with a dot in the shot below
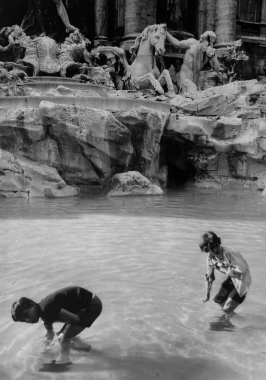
(76, 307)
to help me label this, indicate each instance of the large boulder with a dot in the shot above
(132, 183)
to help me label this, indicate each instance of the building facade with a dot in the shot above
(118, 22)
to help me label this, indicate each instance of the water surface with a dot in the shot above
(141, 257)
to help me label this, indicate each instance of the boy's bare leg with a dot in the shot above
(70, 331)
(62, 13)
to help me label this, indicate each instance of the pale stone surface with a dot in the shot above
(92, 142)
(65, 91)
(86, 146)
(23, 177)
(146, 127)
(27, 119)
(220, 100)
(132, 183)
(23, 132)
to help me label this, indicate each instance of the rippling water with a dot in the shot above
(141, 257)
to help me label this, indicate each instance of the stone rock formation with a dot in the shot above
(225, 133)
(132, 183)
(146, 127)
(220, 100)
(22, 177)
(78, 148)
(92, 143)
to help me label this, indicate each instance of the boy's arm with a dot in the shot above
(49, 333)
(209, 277)
(48, 325)
(69, 317)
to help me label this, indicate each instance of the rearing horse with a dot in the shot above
(143, 73)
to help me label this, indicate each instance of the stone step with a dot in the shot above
(45, 86)
(106, 104)
(53, 79)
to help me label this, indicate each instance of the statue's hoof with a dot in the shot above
(170, 94)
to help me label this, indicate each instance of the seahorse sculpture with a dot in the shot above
(143, 73)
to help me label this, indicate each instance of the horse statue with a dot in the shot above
(143, 73)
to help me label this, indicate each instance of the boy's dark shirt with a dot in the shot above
(71, 298)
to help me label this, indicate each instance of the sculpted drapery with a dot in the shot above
(42, 17)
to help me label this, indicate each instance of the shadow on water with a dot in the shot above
(145, 367)
(56, 368)
(239, 323)
(220, 326)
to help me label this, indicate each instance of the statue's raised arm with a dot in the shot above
(183, 44)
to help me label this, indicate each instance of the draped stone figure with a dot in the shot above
(43, 17)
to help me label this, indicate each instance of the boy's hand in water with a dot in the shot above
(48, 338)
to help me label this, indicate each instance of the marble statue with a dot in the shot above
(143, 73)
(13, 42)
(72, 52)
(197, 54)
(42, 18)
(42, 55)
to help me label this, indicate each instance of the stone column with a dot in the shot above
(263, 19)
(101, 22)
(263, 11)
(225, 22)
(210, 15)
(119, 20)
(138, 15)
(202, 7)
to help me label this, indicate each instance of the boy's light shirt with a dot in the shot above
(238, 270)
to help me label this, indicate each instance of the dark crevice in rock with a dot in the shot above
(175, 155)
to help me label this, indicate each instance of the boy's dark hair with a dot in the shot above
(19, 307)
(209, 241)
